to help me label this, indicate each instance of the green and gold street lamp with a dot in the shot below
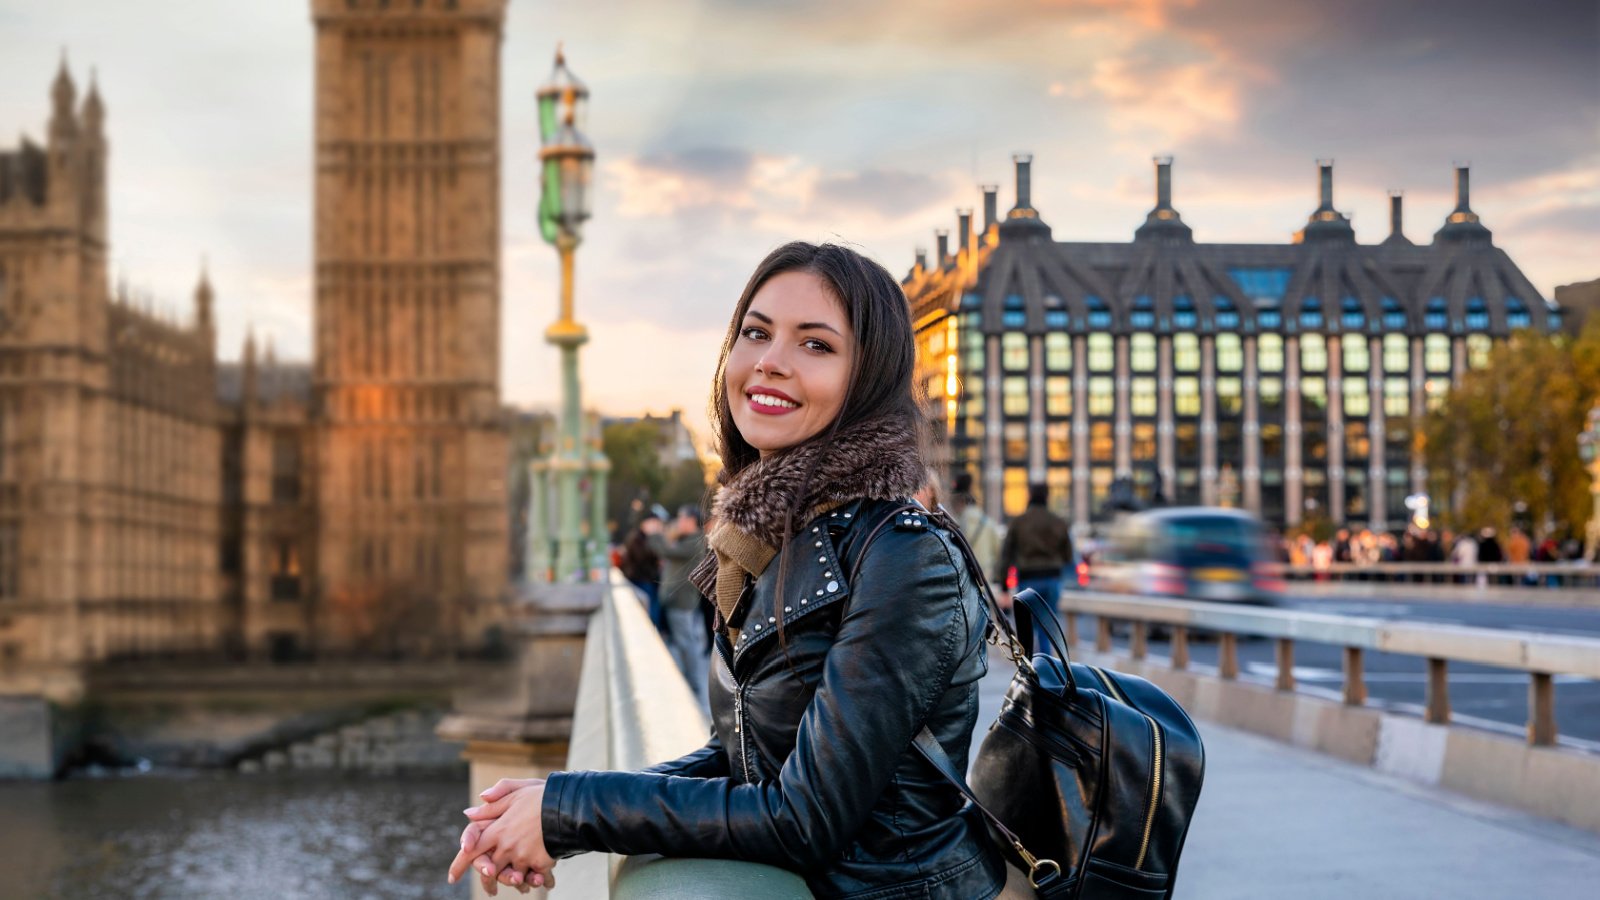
(575, 470)
(1589, 452)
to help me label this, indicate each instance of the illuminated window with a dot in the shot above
(1269, 352)
(936, 342)
(1101, 443)
(1144, 442)
(1186, 396)
(1313, 353)
(1435, 391)
(1014, 391)
(1014, 351)
(1357, 445)
(1102, 353)
(1436, 353)
(1186, 352)
(1058, 352)
(1396, 353)
(973, 402)
(1058, 395)
(1396, 397)
(1016, 490)
(972, 346)
(1315, 392)
(1357, 357)
(1142, 352)
(1099, 485)
(1230, 353)
(1271, 393)
(1269, 318)
(1059, 480)
(1142, 399)
(1478, 347)
(1014, 315)
(1102, 402)
(1016, 441)
(1356, 402)
(1230, 398)
(1058, 441)
(1056, 319)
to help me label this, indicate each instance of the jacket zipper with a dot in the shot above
(738, 715)
(1155, 775)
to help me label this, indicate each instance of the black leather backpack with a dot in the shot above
(1089, 778)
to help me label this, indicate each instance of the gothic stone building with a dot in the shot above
(155, 501)
(1287, 379)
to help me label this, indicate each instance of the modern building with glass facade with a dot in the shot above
(1287, 379)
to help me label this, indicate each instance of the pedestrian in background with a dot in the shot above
(642, 566)
(681, 549)
(981, 532)
(1039, 544)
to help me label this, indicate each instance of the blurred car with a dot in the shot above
(1198, 552)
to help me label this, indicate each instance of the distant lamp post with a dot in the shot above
(1589, 452)
(575, 470)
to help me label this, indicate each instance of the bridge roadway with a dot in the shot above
(1277, 822)
(1481, 696)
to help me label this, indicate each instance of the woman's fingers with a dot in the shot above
(484, 811)
(505, 786)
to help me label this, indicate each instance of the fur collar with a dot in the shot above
(877, 460)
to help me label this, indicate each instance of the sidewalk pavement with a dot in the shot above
(1276, 821)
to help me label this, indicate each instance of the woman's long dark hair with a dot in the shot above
(881, 384)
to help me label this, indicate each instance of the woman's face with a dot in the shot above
(790, 363)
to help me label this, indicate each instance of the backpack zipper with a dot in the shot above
(1155, 776)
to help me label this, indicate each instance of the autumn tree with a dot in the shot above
(1507, 434)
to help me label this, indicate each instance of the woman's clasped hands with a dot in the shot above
(504, 842)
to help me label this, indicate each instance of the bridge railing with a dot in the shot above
(634, 710)
(1540, 656)
(1486, 575)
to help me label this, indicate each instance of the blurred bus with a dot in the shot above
(1204, 553)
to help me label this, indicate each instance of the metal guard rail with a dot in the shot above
(635, 710)
(1542, 656)
(1484, 575)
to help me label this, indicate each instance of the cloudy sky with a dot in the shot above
(724, 128)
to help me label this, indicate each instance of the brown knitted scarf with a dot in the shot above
(877, 459)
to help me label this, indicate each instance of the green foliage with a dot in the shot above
(1508, 433)
(637, 472)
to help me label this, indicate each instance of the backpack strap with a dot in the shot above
(1001, 633)
(1042, 873)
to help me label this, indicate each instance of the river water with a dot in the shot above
(201, 835)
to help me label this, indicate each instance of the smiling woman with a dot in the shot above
(848, 622)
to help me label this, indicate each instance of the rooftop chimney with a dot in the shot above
(942, 241)
(1023, 220)
(1163, 223)
(1463, 224)
(964, 228)
(1397, 233)
(922, 258)
(1163, 182)
(991, 199)
(1326, 223)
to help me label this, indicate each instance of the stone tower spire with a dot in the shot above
(94, 110)
(63, 96)
(204, 301)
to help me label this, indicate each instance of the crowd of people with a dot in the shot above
(1364, 547)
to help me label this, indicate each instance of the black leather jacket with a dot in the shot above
(810, 764)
